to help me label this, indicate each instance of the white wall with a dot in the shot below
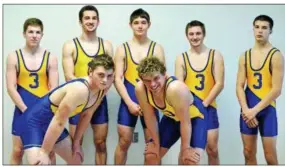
(229, 30)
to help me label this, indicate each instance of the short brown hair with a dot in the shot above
(103, 60)
(150, 65)
(33, 21)
(196, 23)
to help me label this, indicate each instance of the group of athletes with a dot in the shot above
(138, 71)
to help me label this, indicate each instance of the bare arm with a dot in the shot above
(66, 106)
(108, 47)
(240, 83)
(119, 75)
(11, 81)
(219, 79)
(53, 72)
(67, 60)
(159, 53)
(180, 99)
(277, 81)
(179, 68)
(148, 113)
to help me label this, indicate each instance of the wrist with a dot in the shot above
(205, 104)
(44, 151)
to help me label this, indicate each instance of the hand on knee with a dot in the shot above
(190, 156)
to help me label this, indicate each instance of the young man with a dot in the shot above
(127, 57)
(31, 73)
(261, 68)
(44, 122)
(181, 118)
(202, 70)
(76, 55)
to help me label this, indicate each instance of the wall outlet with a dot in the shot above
(136, 137)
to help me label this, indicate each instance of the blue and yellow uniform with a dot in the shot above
(259, 84)
(31, 85)
(81, 70)
(36, 121)
(169, 126)
(200, 83)
(131, 78)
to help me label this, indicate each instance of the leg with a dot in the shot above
(64, 150)
(249, 139)
(269, 131)
(213, 135)
(32, 153)
(72, 129)
(125, 140)
(212, 147)
(100, 132)
(126, 125)
(52, 157)
(99, 123)
(269, 147)
(249, 148)
(17, 152)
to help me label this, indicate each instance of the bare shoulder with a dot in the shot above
(69, 45)
(107, 43)
(78, 88)
(120, 50)
(177, 88)
(278, 57)
(12, 57)
(218, 55)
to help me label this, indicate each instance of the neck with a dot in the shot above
(262, 45)
(31, 50)
(199, 49)
(89, 36)
(93, 88)
(140, 39)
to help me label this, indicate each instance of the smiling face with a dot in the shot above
(89, 21)
(195, 36)
(154, 81)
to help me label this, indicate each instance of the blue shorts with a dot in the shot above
(213, 119)
(169, 132)
(29, 99)
(267, 118)
(124, 115)
(100, 116)
(36, 121)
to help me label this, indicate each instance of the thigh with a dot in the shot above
(268, 125)
(269, 145)
(213, 119)
(100, 116)
(125, 117)
(212, 138)
(32, 154)
(169, 132)
(17, 142)
(100, 131)
(244, 129)
(64, 149)
(249, 142)
(199, 133)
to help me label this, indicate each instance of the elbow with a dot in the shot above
(277, 92)
(221, 85)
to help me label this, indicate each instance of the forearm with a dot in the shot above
(55, 129)
(17, 99)
(69, 77)
(122, 91)
(82, 126)
(216, 90)
(185, 132)
(151, 124)
(241, 98)
(271, 96)
(53, 81)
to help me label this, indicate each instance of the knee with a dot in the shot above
(249, 153)
(18, 151)
(270, 157)
(124, 143)
(212, 151)
(151, 159)
(100, 145)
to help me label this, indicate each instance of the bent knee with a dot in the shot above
(212, 151)
(18, 151)
(249, 153)
(151, 159)
(124, 143)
